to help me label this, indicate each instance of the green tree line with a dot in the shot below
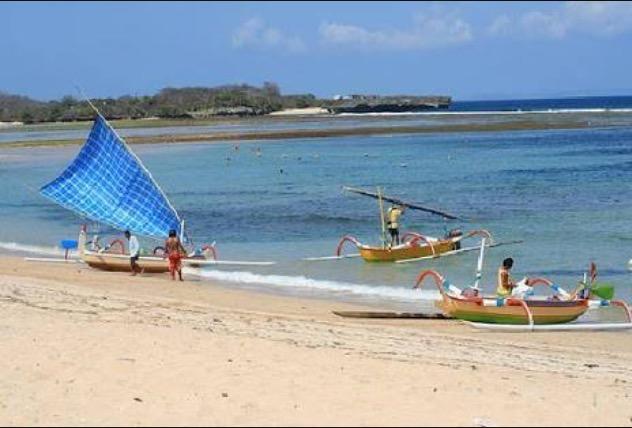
(191, 102)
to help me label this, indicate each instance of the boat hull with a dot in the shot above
(379, 254)
(543, 312)
(121, 262)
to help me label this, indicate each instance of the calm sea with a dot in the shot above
(566, 194)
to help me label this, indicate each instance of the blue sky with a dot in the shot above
(470, 50)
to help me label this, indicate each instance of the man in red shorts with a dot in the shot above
(175, 252)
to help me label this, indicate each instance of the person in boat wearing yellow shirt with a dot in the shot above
(506, 283)
(392, 222)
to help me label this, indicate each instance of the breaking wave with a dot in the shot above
(299, 283)
(36, 249)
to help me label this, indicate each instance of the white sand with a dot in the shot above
(300, 111)
(81, 347)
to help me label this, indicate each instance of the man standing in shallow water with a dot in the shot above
(175, 252)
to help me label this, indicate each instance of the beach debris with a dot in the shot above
(591, 365)
(224, 394)
(138, 399)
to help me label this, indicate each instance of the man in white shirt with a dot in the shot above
(134, 252)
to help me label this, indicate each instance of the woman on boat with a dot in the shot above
(175, 252)
(506, 283)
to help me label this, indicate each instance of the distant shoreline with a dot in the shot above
(522, 122)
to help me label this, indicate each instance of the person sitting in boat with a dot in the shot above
(506, 283)
(134, 252)
(393, 215)
(175, 252)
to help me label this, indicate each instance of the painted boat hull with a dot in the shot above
(121, 262)
(544, 312)
(379, 254)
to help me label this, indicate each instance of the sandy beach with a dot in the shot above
(83, 347)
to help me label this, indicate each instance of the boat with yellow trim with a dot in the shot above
(414, 246)
(513, 310)
(523, 310)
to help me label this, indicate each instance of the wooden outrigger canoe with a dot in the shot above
(504, 310)
(523, 314)
(107, 183)
(120, 262)
(414, 246)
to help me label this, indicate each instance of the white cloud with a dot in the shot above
(255, 33)
(601, 18)
(428, 31)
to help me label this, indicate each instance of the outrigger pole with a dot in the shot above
(402, 203)
(479, 265)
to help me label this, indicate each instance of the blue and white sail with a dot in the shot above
(107, 183)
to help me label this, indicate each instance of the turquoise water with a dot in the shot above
(566, 194)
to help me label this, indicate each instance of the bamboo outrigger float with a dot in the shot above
(522, 313)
